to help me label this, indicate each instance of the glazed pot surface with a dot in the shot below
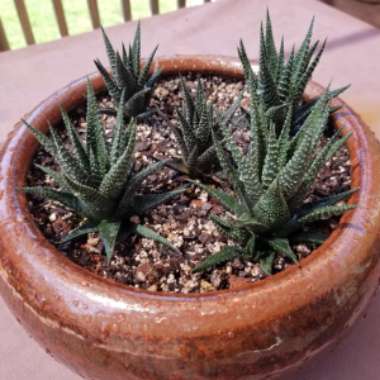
(105, 330)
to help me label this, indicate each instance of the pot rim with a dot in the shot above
(183, 63)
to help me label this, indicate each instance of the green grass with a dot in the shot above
(42, 18)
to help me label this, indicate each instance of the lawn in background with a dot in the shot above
(44, 25)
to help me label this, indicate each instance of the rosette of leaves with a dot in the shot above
(195, 121)
(281, 81)
(96, 180)
(129, 75)
(267, 213)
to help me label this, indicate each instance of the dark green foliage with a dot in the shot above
(96, 178)
(196, 119)
(271, 182)
(227, 253)
(281, 82)
(128, 75)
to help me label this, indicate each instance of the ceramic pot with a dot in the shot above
(373, 2)
(104, 330)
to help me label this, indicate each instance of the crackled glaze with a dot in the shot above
(106, 331)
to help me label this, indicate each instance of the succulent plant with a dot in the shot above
(128, 74)
(281, 82)
(96, 179)
(267, 209)
(196, 119)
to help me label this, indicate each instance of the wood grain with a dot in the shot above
(25, 22)
(94, 13)
(60, 17)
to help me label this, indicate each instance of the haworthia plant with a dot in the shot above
(96, 179)
(271, 183)
(281, 81)
(129, 75)
(195, 121)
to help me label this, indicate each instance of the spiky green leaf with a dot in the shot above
(67, 199)
(144, 203)
(153, 235)
(81, 230)
(226, 254)
(108, 232)
(282, 245)
(326, 212)
(114, 181)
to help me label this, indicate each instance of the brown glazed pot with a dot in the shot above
(107, 331)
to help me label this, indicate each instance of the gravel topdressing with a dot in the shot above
(184, 221)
